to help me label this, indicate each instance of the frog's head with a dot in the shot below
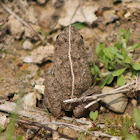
(70, 33)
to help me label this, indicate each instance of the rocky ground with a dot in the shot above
(28, 31)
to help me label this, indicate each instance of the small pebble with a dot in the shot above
(28, 59)
(30, 99)
(41, 1)
(3, 122)
(40, 88)
(19, 64)
(134, 102)
(27, 45)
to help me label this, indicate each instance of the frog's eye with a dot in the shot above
(57, 37)
(81, 36)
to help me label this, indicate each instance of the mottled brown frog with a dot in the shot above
(58, 84)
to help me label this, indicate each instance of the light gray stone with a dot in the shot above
(109, 16)
(115, 102)
(40, 81)
(71, 5)
(27, 45)
(3, 121)
(30, 99)
(42, 54)
(40, 88)
(27, 59)
(14, 26)
(41, 1)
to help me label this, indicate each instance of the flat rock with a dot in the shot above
(109, 16)
(14, 26)
(70, 6)
(115, 102)
(30, 99)
(40, 55)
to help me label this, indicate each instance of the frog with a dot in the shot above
(69, 78)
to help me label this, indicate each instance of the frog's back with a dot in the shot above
(80, 66)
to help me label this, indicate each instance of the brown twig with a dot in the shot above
(40, 125)
(22, 21)
(45, 127)
(70, 60)
(36, 115)
(93, 97)
(69, 51)
(98, 97)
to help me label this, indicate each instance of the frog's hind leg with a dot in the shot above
(52, 99)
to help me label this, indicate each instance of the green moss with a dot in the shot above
(28, 72)
(114, 131)
(38, 72)
(116, 122)
(6, 51)
(20, 75)
(2, 79)
(108, 122)
(14, 58)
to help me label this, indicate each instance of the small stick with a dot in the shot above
(91, 103)
(69, 51)
(36, 114)
(42, 125)
(45, 127)
(70, 60)
(94, 97)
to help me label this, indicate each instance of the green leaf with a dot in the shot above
(118, 45)
(124, 34)
(120, 62)
(102, 84)
(113, 50)
(135, 66)
(108, 53)
(99, 50)
(127, 59)
(131, 137)
(127, 35)
(113, 64)
(19, 137)
(110, 67)
(79, 25)
(135, 46)
(93, 115)
(105, 60)
(120, 80)
(119, 55)
(124, 52)
(118, 72)
(124, 43)
(110, 79)
(95, 70)
(122, 30)
(137, 117)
